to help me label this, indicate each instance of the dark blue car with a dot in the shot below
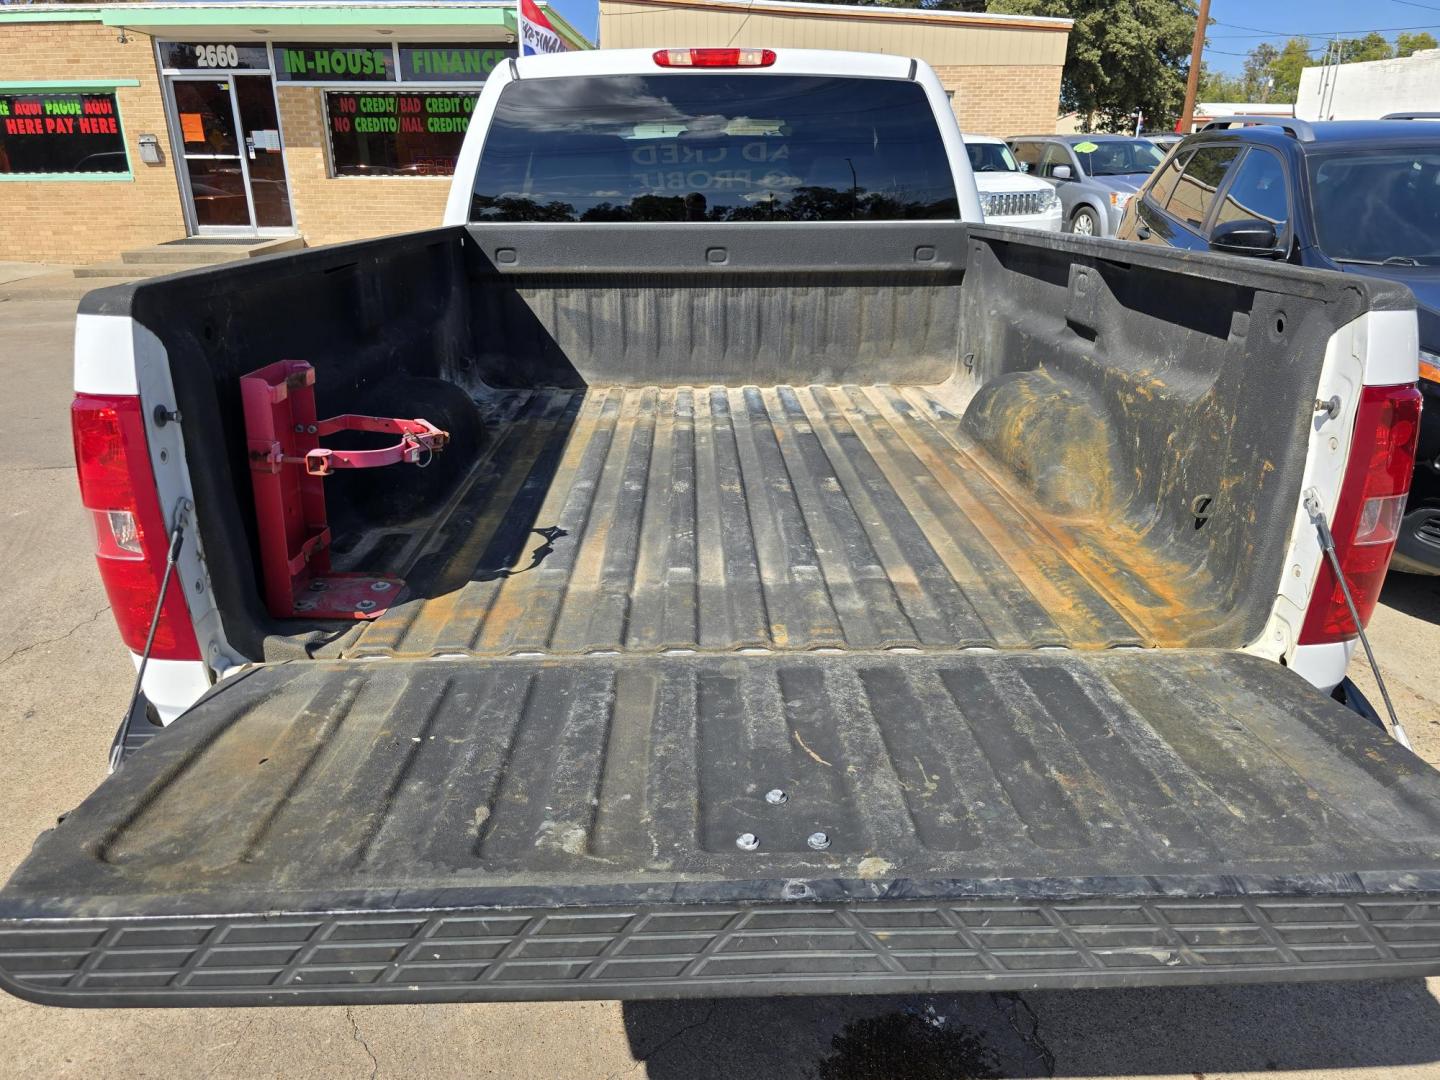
(1361, 197)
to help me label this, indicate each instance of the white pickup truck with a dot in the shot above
(820, 591)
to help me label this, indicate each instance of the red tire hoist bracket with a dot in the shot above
(288, 467)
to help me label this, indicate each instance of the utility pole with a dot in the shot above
(1192, 84)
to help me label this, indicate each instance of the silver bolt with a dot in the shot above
(775, 797)
(364, 605)
(311, 429)
(818, 840)
(304, 605)
(379, 586)
(747, 841)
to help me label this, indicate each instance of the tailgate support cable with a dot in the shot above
(172, 556)
(1327, 542)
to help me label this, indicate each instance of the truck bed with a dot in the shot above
(953, 536)
(643, 519)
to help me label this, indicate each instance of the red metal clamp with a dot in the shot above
(287, 465)
(417, 437)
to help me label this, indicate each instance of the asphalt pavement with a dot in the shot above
(64, 679)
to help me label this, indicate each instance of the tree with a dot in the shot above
(1293, 59)
(1358, 50)
(1258, 73)
(1408, 44)
(1217, 86)
(1122, 55)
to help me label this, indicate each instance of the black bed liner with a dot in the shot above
(540, 828)
(787, 517)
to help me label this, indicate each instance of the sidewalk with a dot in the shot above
(18, 271)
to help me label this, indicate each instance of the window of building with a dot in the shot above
(714, 147)
(1195, 192)
(61, 135)
(393, 133)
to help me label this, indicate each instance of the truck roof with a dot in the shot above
(787, 61)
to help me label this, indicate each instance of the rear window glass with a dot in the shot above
(713, 147)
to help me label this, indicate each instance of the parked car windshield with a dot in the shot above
(991, 157)
(713, 147)
(1118, 157)
(1378, 206)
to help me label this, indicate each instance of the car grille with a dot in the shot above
(1014, 203)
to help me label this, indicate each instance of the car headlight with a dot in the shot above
(1429, 366)
(1048, 200)
(1118, 199)
(987, 202)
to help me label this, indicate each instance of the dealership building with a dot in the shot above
(1002, 72)
(128, 125)
(134, 124)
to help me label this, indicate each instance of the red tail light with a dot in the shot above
(715, 58)
(131, 541)
(1367, 517)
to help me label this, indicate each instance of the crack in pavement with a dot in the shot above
(649, 1055)
(355, 1034)
(1031, 1038)
(234, 1046)
(51, 641)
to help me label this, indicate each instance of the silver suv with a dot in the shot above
(1094, 175)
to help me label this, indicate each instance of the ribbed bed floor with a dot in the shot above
(719, 519)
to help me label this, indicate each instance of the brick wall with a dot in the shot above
(90, 221)
(1001, 100)
(328, 210)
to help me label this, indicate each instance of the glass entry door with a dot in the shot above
(234, 168)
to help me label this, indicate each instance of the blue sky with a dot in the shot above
(584, 15)
(1275, 19)
(1236, 23)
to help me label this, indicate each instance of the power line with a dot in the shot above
(1278, 34)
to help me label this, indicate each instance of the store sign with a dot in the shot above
(61, 133)
(213, 56)
(450, 63)
(334, 63)
(390, 133)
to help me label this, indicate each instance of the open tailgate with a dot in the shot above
(461, 830)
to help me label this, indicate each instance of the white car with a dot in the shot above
(1008, 196)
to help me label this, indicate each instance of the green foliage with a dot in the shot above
(1372, 46)
(1293, 59)
(1123, 55)
(1258, 75)
(1407, 44)
(1217, 86)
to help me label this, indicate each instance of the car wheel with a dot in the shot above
(1085, 223)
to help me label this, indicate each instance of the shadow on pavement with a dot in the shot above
(1187, 1032)
(1414, 594)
